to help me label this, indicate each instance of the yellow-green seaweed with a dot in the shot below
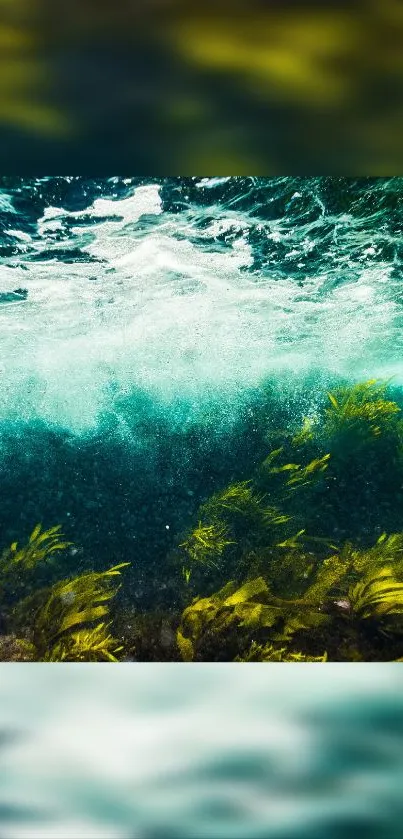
(74, 603)
(207, 542)
(94, 644)
(268, 652)
(40, 546)
(63, 619)
(361, 408)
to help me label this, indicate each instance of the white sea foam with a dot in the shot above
(156, 307)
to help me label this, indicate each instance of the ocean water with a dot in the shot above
(159, 337)
(183, 751)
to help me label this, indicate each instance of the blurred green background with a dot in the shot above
(174, 87)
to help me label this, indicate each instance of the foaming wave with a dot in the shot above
(172, 303)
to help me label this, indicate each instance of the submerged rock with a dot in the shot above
(16, 649)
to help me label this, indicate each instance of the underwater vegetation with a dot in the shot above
(362, 411)
(207, 542)
(283, 585)
(61, 622)
(349, 608)
(302, 560)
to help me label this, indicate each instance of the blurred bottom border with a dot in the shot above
(206, 750)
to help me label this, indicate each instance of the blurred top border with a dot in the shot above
(168, 87)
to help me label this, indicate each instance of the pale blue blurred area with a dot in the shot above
(226, 751)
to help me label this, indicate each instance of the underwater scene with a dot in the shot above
(201, 419)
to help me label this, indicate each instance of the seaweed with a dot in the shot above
(300, 560)
(40, 546)
(71, 604)
(94, 644)
(346, 603)
(60, 621)
(236, 517)
(207, 542)
(348, 461)
(232, 615)
(362, 409)
(257, 652)
(13, 648)
(377, 597)
(305, 435)
(237, 498)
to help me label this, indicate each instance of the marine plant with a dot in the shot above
(62, 619)
(251, 519)
(361, 408)
(95, 644)
(315, 589)
(299, 475)
(210, 616)
(306, 434)
(230, 617)
(378, 596)
(268, 652)
(207, 542)
(353, 418)
(360, 491)
(238, 497)
(388, 549)
(40, 546)
(348, 602)
(186, 573)
(232, 517)
(78, 602)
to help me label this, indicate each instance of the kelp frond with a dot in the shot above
(186, 574)
(271, 457)
(296, 474)
(388, 550)
(241, 499)
(238, 497)
(268, 652)
(304, 435)
(86, 645)
(287, 467)
(362, 406)
(207, 542)
(41, 545)
(292, 541)
(306, 475)
(74, 603)
(329, 578)
(377, 596)
(217, 612)
(244, 609)
(273, 517)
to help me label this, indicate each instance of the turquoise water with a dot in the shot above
(156, 332)
(183, 751)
